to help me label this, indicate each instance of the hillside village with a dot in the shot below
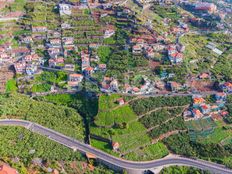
(147, 78)
(44, 47)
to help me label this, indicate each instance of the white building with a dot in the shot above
(65, 9)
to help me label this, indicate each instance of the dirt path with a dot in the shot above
(137, 148)
(166, 135)
(166, 107)
(151, 128)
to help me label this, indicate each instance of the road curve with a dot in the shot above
(77, 145)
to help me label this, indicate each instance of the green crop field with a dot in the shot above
(60, 118)
(104, 146)
(129, 138)
(20, 142)
(220, 135)
(11, 86)
(118, 124)
(123, 114)
(108, 102)
(227, 141)
(217, 136)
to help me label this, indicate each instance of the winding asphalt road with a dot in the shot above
(84, 148)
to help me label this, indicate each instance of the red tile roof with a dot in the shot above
(89, 69)
(75, 75)
(5, 169)
(228, 84)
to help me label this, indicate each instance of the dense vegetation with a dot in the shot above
(181, 144)
(118, 64)
(122, 61)
(61, 118)
(223, 67)
(43, 82)
(169, 12)
(104, 53)
(148, 104)
(160, 116)
(182, 170)
(175, 124)
(19, 142)
(87, 107)
(17, 5)
(205, 59)
(228, 119)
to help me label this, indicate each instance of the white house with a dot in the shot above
(65, 9)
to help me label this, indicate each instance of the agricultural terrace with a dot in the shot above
(41, 14)
(26, 141)
(84, 29)
(150, 152)
(162, 116)
(138, 125)
(205, 138)
(43, 82)
(198, 55)
(14, 6)
(118, 124)
(222, 134)
(60, 118)
(148, 104)
(9, 28)
(200, 128)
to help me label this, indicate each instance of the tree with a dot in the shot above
(104, 53)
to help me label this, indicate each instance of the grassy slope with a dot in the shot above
(217, 136)
(11, 85)
(129, 138)
(151, 152)
(120, 115)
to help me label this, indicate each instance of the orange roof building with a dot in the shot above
(90, 156)
(91, 167)
(5, 169)
(197, 113)
(198, 100)
(121, 101)
(115, 145)
(204, 76)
